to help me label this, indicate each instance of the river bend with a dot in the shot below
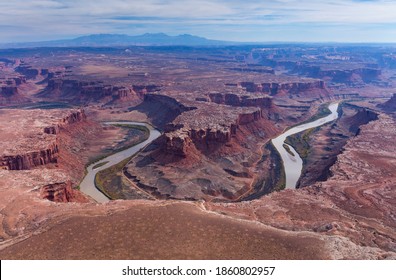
(293, 164)
(87, 185)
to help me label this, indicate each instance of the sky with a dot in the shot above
(231, 20)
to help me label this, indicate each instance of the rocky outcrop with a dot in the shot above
(240, 100)
(390, 105)
(176, 143)
(141, 90)
(346, 95)
(73, 117)
(61, 192)
(363, 116)
(168, 102)
(246, 118)
(289, 88)
(9, 93)
(28, 71)
(13, 81)
(79, 92)
(30, 160)
(255, 69)
(182, 139)
(362, 74)
(49, 154)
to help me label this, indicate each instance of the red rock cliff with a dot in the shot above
(69, 119)
(83, 91)
(30, 160)
(240, 100)
(207, 137)
(364, 74)
(293, 88)
(61, 192)
(390, 105)
(28, 71)
(44, 156)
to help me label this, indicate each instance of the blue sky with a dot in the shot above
(234, 20)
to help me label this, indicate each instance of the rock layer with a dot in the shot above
(79, 92)
(28, 71)
(390, 105)
(42, 154)
(60, 192)
(310, 88)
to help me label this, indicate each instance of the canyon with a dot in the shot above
(212, 176)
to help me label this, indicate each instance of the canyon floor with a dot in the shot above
(211, 186)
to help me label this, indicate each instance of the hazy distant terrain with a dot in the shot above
(106, 40)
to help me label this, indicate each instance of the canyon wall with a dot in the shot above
(71, 118)
(180, 139)
(80, 92)
(289, 88)
(30, 160)
(9, 93)
(28, 71)
(240, 100)
(48, 153)
(364, 74)
(390, 105)
(61, 192)
(168, 102)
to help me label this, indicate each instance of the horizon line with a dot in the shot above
(231, 43)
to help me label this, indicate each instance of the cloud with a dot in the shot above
(52, 19)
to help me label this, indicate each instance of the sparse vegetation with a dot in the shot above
(287, 148)
(111, 182)
(279, 171)
(99, 164)
(136, 135)
(133, 126)
(300, 142)
(322, 112)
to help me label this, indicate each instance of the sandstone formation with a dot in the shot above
(142, 90)
(30, 160)
(237, 100)
(9, 94)
(390, 105)
(297, 88)
(61, 192)
(80, 92)
(320, 147)
(195, 132)
(355, 202)
(206, 129)
(365, 75)
(28, 71)
(45, 150)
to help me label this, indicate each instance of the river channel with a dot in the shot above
(87, 185)
(293, 164)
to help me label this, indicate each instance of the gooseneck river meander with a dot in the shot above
(87, 185)
(292, 164)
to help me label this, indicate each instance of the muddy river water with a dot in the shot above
(87, 185)
(293, 164)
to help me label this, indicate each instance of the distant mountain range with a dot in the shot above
(107, 40)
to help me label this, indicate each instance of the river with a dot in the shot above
(87, 185)
(293, 164)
